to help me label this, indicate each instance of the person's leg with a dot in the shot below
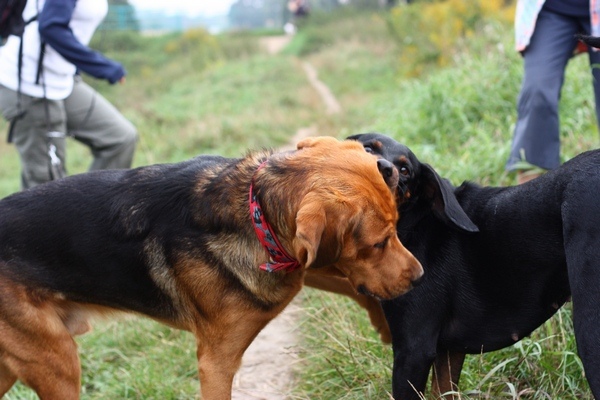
(536, 138)
(92, 120)
(595, 68)
(42, 126)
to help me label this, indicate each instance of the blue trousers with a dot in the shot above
(537, 137)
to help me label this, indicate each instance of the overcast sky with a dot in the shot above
(189, 7)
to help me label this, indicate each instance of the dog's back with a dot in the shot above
(78, 213)
(511, 276)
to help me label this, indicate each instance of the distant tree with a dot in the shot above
(249, 14)
(325, 5)
(121, 17)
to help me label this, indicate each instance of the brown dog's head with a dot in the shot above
(346, 218)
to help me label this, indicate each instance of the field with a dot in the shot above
(194, 93)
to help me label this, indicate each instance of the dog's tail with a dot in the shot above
(593, 41)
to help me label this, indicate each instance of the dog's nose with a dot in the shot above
(389, 172)
(417, 281)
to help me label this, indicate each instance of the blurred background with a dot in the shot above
(154, 17)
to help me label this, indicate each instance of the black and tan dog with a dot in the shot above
(177, 243)
(487, 288)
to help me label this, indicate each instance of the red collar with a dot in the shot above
(280, 259)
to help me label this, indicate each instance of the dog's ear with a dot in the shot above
(444, 203)
(317, 243)
(355, 137)
(316, 141)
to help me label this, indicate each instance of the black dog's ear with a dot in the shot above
(444, 203)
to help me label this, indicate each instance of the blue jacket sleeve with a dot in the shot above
(54, 29)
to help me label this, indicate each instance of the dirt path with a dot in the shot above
(274, 44)
(331, 104)
(267, 371)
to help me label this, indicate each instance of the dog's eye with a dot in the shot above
(368, 149)
(404, 170)
(381, 245)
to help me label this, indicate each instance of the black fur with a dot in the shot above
(589, 40)
(123, 210)
(484, 290)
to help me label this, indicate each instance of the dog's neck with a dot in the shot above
(279, 192)
(280, 258)
(231, 226)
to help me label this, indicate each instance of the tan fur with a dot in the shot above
(446, 370)
(329, 207)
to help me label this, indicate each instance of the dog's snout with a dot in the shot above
(385, 167)
(389, 172)
(416, 282)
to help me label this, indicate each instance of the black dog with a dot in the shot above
(484, 291)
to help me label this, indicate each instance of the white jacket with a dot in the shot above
(57, 72)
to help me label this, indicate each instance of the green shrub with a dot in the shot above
(428, 33)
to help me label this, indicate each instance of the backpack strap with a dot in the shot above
(20, 111)
(40, 63)
(20, 61)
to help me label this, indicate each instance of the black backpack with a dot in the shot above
(11, 19)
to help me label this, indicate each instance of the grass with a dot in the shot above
(224, 107)
(133, 358)
(458, 118)
(342, 355)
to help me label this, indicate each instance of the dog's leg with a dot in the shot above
(581, 232)
(343, 286)
(584, 278)
(585, 322)
(54, 374)
(446, 373)
(221, 346)
(35, 345)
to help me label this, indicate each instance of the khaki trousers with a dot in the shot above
(85, 115)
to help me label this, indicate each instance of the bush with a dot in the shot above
(428, 33)
(121, 41)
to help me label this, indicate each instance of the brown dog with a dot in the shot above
(177, 243)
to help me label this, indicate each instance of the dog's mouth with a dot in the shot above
(362, 289)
